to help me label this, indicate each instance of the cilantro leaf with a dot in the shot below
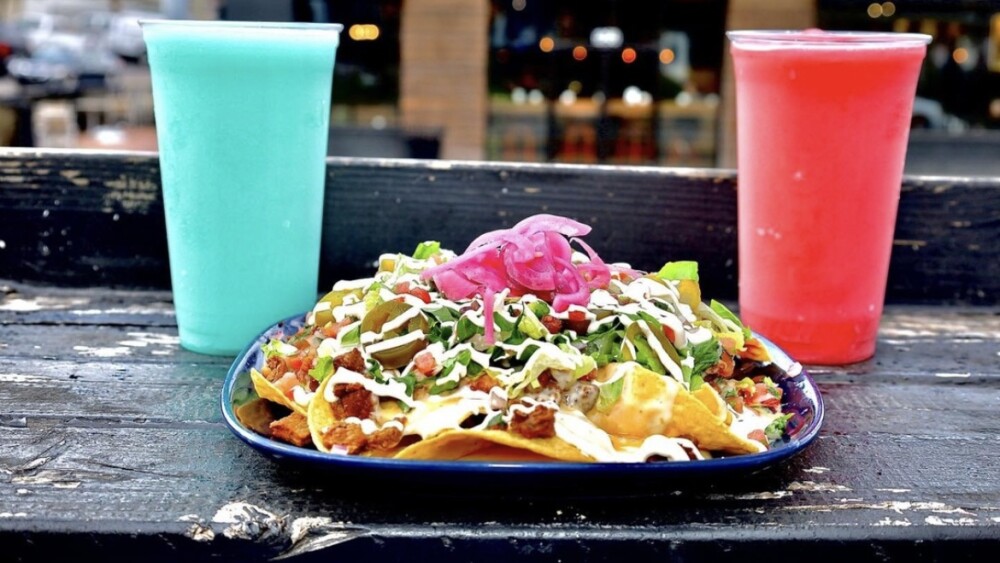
(375, 370)
(706, 355)
(466, 329)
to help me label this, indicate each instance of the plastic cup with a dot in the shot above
(822, 125)
(242, 119)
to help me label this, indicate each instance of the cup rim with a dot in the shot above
(822, 38)
(235, 24)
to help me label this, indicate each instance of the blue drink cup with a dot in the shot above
(242, 119)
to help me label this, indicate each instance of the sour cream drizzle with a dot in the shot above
(391, 389)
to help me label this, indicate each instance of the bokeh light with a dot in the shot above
(363, 32)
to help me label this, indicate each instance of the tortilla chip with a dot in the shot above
(292, 429)
(654, 404)
(493, 453)
(258, 414)
(320, 416)
(713, 401)
(266, 390)
(463, 444)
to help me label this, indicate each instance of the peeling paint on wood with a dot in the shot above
(246, 521)
(814, 487)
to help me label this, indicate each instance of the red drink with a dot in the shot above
(823, 121)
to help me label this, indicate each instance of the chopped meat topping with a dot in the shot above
(483, 383)
(346, 435)
(293, 429)
(352, 400)
(350, 436)
(351, 360)
(385, 438)
(539, 422)
(724, 367)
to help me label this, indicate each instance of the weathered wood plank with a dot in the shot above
(119, 477)
(97, 219)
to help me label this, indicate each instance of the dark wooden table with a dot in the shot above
(112, 442)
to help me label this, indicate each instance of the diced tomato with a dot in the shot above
(421, 294)
(578, 322)
(737, 403)
(758, 435)
(294, 363)
(404, 288)
(551, 324)
(331, 330)
(669, 333)
(763, 397)
(425, 363)
(287, 383)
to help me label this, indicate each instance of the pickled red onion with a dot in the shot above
(532, 257)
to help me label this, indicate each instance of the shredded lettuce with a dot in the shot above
(373, 297)
(728, 315)
(322, 369)
(546, 356)
(505, 329)
(776, 429)
(695, 382)
(645, 355)
(540, 308)
(681, 270)
(605, 347)
(275, 347)
(466, 329)
(609, 395)
(351, 337)
(443, 315)
(530, 326)
(427, 249)
(463, 358)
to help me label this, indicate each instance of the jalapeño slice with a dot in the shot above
(399, 356)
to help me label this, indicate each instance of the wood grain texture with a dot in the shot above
(84, 219)
(112, 445)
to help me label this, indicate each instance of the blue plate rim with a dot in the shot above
(803, 436)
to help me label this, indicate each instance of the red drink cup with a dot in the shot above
(822, 124)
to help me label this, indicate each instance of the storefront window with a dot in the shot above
(605, 82)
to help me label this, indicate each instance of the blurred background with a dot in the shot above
(604, 81)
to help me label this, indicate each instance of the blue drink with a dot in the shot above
(242, 117)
